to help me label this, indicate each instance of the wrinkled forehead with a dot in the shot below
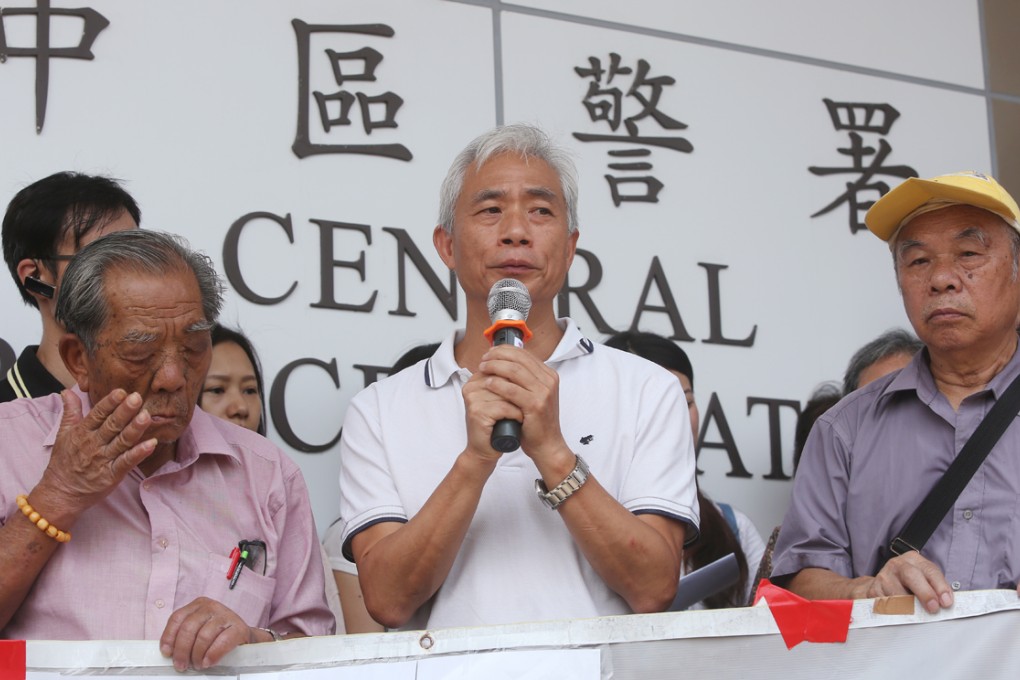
(956, 221)
(122, 271)
(137, 291)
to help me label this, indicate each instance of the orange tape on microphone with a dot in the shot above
(490, 332)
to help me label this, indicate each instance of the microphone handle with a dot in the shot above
(506, 433)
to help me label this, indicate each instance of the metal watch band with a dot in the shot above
(276, 636)
(574, 481)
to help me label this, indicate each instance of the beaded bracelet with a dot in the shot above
(44, 526)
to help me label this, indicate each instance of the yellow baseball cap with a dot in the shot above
(888, 213)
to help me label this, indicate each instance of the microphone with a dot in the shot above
(509, 303)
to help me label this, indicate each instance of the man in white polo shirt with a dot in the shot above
(447, 531)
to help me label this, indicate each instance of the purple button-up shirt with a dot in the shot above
(157, 543)
(870, 461)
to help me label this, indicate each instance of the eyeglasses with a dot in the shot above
(254, 552)
(53, 258)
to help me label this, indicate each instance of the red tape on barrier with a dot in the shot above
(801, 620)
(12, 660)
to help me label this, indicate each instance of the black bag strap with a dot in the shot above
(936, 504)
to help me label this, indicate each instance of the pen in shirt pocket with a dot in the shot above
(235, 558)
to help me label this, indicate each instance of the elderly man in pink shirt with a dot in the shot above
(127, 513)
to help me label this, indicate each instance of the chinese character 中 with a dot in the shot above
(608, 103)
(856, 118)
(335, 109)
(43, 51)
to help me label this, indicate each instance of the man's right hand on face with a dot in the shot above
(93, 453)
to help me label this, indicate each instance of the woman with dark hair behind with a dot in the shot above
(233, 388)
(724, 530)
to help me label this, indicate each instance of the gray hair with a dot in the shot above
(82, 306)
(889, 344)
(520, 138)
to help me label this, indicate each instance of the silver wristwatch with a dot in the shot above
(276, 636)
(574, 481)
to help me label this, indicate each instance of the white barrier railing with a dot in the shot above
(976, 638)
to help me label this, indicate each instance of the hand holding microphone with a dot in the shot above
(509, 303)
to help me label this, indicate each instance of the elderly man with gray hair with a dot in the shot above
(447, 530)
(881, 505)
(127, 513)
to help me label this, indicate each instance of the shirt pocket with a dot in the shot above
(251, 598)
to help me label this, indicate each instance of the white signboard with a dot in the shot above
(726, 152)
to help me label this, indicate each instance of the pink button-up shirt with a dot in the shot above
(155, 544)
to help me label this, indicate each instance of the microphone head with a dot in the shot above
(509, 299)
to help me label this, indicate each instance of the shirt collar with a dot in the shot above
(914, 377)
(917, 376)
(442, 365)
(203, 436)
(29, 378)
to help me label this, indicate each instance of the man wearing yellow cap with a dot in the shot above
(873, 458)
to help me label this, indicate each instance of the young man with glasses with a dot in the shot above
(46, 223)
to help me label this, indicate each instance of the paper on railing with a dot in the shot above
(703, 583)
(548, 664)
(397, 670)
